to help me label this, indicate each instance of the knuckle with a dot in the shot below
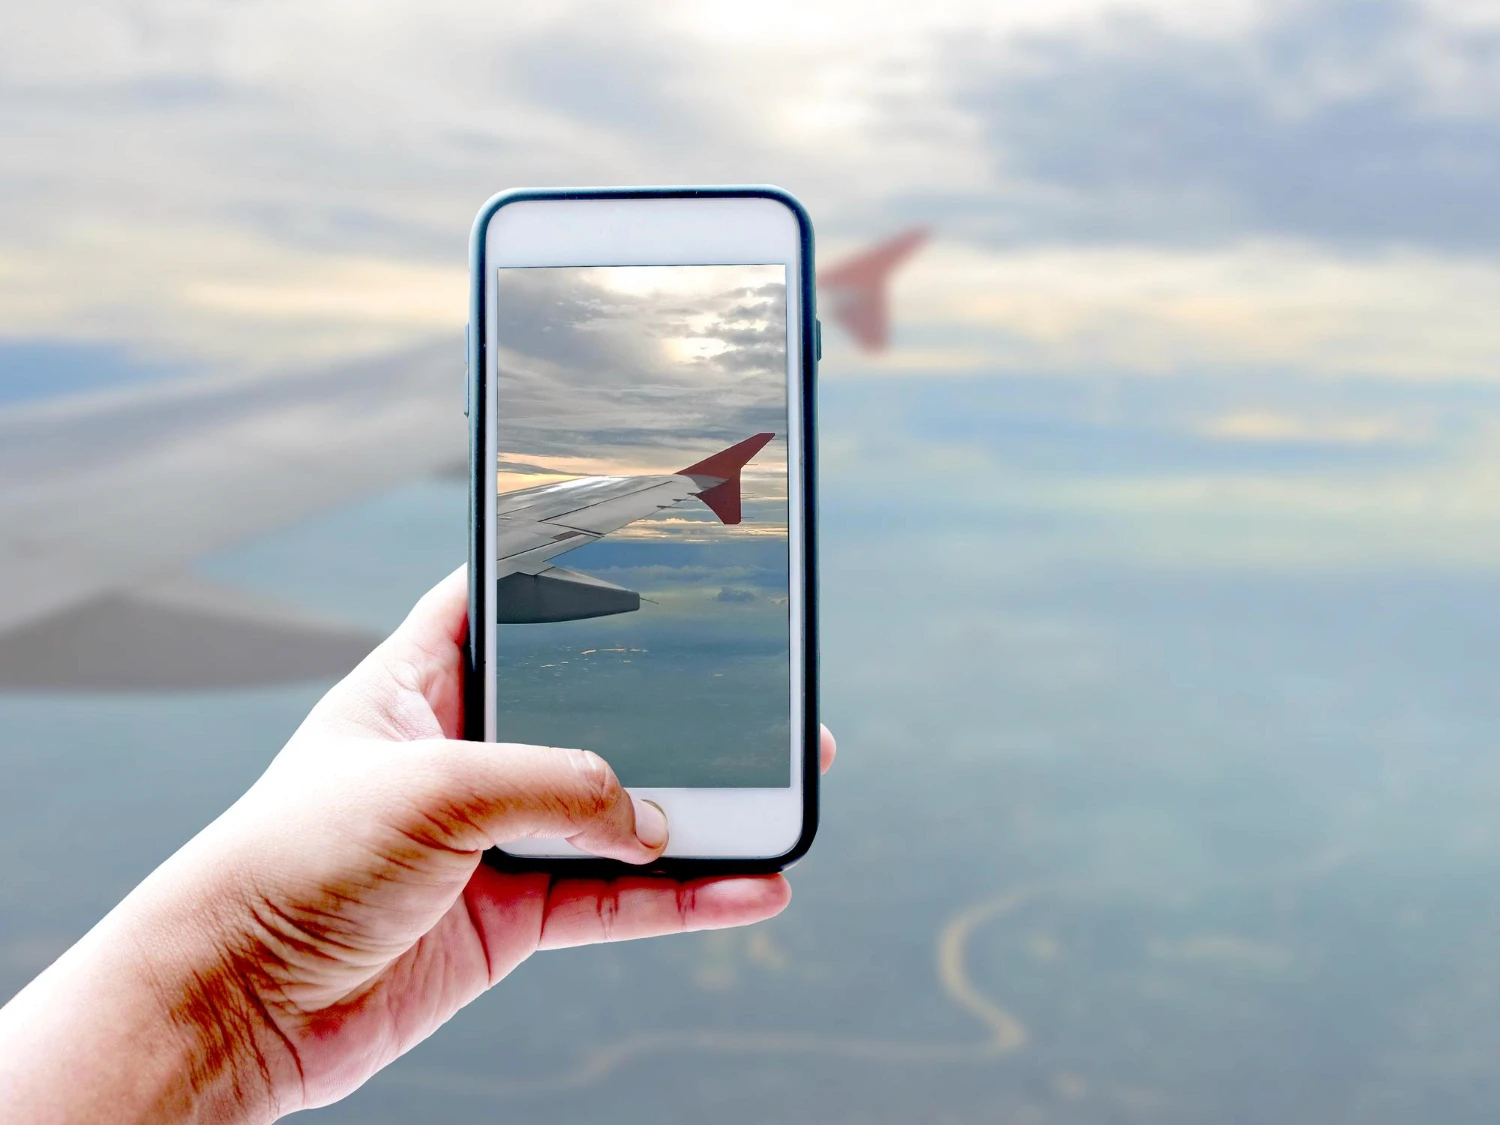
(600, 790)
(607, 906)
(687, 901)
(402, 673)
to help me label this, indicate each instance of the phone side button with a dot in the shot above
(817, 340)
(468, 365)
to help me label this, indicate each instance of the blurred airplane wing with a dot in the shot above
(856, 288)
(104, 497)
(185, 633)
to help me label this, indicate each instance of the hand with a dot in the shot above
(338, 913)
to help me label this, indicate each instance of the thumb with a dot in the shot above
(467, 796)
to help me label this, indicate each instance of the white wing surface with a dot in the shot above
(105, 497)
(536, 524)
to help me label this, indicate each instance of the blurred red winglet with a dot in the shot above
(856, 288)
(725, 465)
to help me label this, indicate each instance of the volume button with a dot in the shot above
(468, 369)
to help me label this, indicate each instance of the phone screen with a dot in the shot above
(641, 535)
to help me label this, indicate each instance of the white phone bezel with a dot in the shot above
(705, 823)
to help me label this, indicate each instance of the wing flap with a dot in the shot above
(555, 594)
(103, 492)
(184, 634)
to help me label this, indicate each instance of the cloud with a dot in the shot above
(1347, 123)
(736, 595)
(1250, 473)
(1255, 305)
(257, 185)
(1115, 425)
(526, 468)
(1274, 427)
(589, 72)
(672, 526)
(656, 365)
(771, 578)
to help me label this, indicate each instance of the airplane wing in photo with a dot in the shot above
(535, 525)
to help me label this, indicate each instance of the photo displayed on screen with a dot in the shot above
(641, 524)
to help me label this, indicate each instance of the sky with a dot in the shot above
(1159, 553)
(625, 371)
(1144, 187)
(1253, 235)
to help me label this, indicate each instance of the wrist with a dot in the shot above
(144, 1019)
(209, 997)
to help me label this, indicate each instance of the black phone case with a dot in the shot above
(474, 672)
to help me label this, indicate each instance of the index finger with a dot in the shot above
(589, 911)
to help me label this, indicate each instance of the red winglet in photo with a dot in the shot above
(725, 465)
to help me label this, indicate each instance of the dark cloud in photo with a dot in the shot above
(662, 363)
(506, 466)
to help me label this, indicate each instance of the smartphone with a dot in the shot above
(642, 566)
